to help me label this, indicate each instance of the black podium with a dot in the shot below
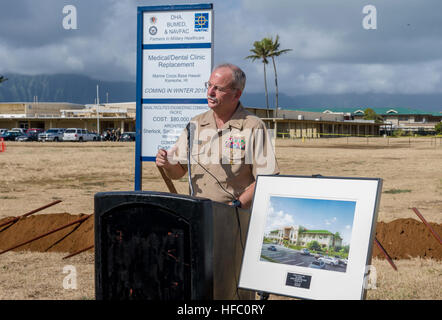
(163, 246)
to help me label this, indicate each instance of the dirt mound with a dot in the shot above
(406, 238)
(70, 239)
(401, 238)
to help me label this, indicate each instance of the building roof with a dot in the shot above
(324, 232)
(42, 102)
(317, 231)
(380, 111)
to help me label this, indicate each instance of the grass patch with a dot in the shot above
(268, 259)
(94, 184)
(7, 197)
(396, 191)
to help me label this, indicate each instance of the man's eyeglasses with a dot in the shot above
(209, 85)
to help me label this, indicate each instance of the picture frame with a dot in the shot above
(311, 237)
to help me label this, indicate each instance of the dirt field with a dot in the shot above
(35, 174)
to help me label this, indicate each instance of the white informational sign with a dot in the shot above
(178, 27)
(176, 62)
(163, 123)
(175, 73)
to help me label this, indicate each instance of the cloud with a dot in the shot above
(277, 219)
(103, 46)
(331, 221)
(332, 53)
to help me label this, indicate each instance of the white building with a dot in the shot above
(300, 236)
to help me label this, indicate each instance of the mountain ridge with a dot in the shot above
(76, 88)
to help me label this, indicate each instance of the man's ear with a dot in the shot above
(238, 94)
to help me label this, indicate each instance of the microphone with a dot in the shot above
(190, 133)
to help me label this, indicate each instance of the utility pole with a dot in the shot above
(98, 112)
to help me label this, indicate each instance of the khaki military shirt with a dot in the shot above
(225, 161)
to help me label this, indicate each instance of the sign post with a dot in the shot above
(174, 60)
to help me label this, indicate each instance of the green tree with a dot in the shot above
(261, 51)
(345, 249)
(314, 245)
(438, 128)
(370, 114)
(274, 51)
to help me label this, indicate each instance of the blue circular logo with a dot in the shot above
(153, 30)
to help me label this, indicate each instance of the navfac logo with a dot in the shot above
(201, 22)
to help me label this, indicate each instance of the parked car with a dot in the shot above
(317, 264)
(21, 130)
(305, 252)
(77, 134)
(272, 248)
(2, 131)
(128, 136)
(329, 260)
(95, 136)
(107, 135)
(340, 260)
(11, 135)
(35, 130)
(54, 134)
(31, 136)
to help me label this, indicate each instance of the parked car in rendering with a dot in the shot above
(77, 134)
(305, 252)
(317, 264)
(271, 248)
(318, 255)
(329, 260)
(54, 134)
(128, 136)
(2, 131)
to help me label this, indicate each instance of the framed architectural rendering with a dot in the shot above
(311, 237)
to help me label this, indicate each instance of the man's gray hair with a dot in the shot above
(239, 77)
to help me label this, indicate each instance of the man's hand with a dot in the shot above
(173, 170)
(247, 196)
(161, 159)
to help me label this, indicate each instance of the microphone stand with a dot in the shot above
(190, 131)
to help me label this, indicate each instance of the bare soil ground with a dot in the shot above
(35, 174)
(39, 276)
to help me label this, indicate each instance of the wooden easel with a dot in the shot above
(167, 180)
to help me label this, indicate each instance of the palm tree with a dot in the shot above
(275, 52)
(261, 51)
(3, 79)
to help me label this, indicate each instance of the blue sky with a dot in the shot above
(331, 51)
(314, 214)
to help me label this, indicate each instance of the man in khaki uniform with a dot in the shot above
(230, 146)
